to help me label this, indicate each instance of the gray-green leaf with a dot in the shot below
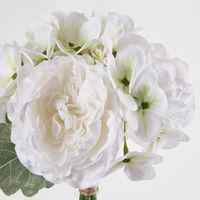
(13, 175)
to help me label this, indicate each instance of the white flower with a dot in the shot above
(10, 64)
(137, 165)
(81, 87)
(181, 106)
(135, 39)
(99, 52)
(40, 43)
(125, 67)
(158, 52)
(123, 71)
(65, 122)
(152, 105)
(114, 27)
(170, 70)
(167, 139)
(173, 79)
(75, 31)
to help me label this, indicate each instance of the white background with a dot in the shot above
(176, 24)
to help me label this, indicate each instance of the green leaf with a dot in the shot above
(7, 120)
(13, 175)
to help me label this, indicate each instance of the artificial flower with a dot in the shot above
(77, 93)
(66, 124)
(10, 64)
(167, 139)
(75, 31)
(114, 27)
(137, 165)
(152, 105)
(123, 71)
(41, 42)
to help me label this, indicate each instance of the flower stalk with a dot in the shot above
(88, 193)
(125, 143)
(91, 197)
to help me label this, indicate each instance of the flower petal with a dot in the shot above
(173, 138)
(89, 31)
(132, 119)
(147, 79)
(127, 100)
(139, 172)
(132, 58)
(69, 26)
(140, 165)
(148, 126)
(132, 38)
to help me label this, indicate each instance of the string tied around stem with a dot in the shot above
(89, 191)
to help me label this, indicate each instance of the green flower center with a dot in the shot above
(126, 160)
(145, 105)
(76, 48)
(114, 52)
(14, 76)
(125, 82)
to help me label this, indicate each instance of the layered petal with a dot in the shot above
(69, 123)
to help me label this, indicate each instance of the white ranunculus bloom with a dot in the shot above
(10, 64)
(152, 105)
(65, 122)
(137, 165)
(75, 31)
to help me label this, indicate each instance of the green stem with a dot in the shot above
(83, 197)
(125, 143)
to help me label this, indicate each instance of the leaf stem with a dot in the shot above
(125, 143)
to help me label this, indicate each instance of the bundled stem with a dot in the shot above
(91, 197)
(88, 194)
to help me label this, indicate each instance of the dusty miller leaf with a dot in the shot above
(13, 175)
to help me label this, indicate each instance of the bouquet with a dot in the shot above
(84, 97)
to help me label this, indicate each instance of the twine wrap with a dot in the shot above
(89, 191)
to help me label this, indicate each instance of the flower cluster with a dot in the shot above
(81, 89)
